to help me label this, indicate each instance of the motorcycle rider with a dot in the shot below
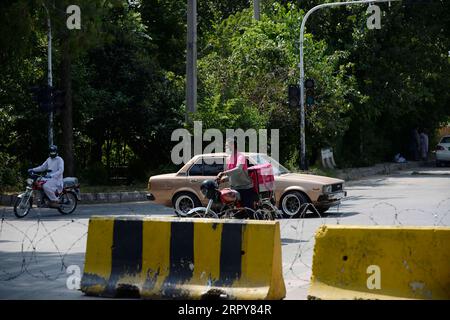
(54, 178)
(237, 174)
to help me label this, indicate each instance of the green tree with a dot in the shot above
(126, 99)
(254, 62)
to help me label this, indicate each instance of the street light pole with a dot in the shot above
(50, 81)
(191, 58)
(49, 75)
(256, 10)
(303, 165)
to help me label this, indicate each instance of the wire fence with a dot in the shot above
(40, 246)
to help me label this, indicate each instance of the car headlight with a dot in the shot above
(326, 189)
(29, 181)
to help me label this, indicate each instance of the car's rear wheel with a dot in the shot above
(293, 204)
(183, 202)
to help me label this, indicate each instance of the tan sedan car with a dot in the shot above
(181, 190)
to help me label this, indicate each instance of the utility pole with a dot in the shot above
(256, 10)
(49, 77)
(191, 59)
(303, 164)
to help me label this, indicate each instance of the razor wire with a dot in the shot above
(29, 249)
(296, 232)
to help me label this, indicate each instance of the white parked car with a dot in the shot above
(443, 151)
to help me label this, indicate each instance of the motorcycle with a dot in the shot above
(231, 206)
(34, 192)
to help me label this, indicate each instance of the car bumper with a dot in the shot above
(443, 155)
(150, 197)
(331, 199)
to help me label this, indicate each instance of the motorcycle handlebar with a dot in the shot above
(40, 174)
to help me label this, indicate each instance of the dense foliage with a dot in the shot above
(123, 78)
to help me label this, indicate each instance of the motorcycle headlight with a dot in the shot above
(29, 181)
(326, 189)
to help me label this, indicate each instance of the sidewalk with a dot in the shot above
(111, 197)
(378, 169)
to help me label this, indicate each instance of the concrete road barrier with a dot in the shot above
(363, 262)
(174, 258)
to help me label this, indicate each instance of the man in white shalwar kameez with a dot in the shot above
(54, 178)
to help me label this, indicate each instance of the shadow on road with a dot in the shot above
(285, 241)
(38, 275)
(86, 211)
(341, 214)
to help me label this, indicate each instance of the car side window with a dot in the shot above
(196, 169)
(211, 168)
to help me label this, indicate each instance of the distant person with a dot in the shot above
(399, 158)
(424, 145)
(54, 178)
(415, 144)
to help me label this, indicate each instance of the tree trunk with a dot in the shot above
(67, 125)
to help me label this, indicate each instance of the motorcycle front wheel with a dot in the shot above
(22, 206)
(200, 212)
(68, 203)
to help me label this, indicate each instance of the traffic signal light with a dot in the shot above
(294, 95)
(309, 86)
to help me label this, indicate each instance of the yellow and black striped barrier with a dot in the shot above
(381, 262)
(174, 258)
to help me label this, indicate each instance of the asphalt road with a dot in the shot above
(37, 252)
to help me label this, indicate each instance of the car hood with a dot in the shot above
(292, 177)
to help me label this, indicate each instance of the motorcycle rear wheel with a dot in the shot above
(68, 203)
(22, 207)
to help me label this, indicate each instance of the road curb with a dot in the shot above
(378, 169)
(132, 196)
(111, 197)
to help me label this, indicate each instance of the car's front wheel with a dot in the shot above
(183, 202)
(293, 204)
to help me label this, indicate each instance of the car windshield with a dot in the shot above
(445, 140)
(278, 169)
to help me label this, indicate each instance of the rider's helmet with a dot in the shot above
(208, 188)
(53, 151)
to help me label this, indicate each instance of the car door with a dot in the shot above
(195, 175)
(210, 168)
(204, 169)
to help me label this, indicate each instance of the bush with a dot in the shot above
(96, 174)
(137, 171)
(10, 177)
